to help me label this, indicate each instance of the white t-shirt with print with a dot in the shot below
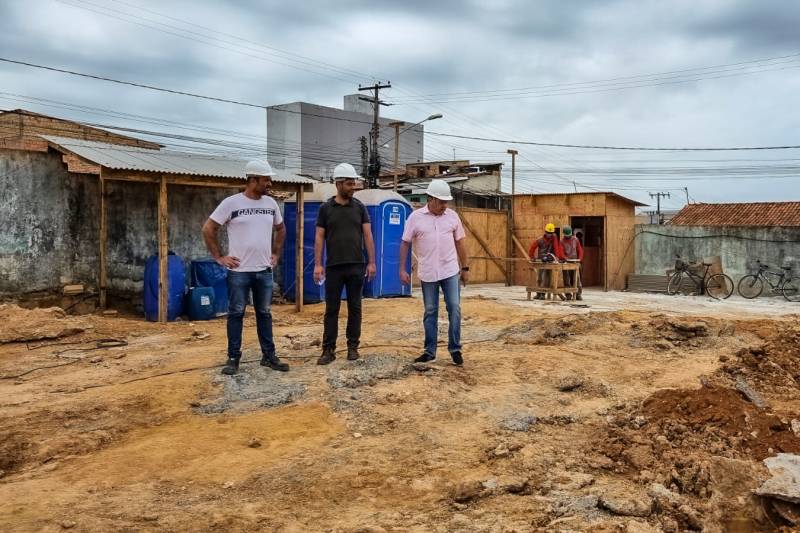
(250, 224)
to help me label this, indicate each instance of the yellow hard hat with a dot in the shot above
(550, 228)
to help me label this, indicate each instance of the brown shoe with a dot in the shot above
(352, 353)
(327, 356)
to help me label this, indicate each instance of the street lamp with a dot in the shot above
(397, 132)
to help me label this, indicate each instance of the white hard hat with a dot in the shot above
(439, 189)
(258, 167)
(345, 171)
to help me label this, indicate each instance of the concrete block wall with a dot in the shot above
(48, 223)
(738, 247)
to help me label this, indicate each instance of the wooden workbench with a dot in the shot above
(556, 286)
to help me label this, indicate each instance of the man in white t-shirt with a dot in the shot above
(255, 238)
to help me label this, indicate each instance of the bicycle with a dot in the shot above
(717, 286)
(752, 285)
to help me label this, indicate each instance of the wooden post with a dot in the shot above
(509, 250)
(103, 259)
(298, 271)
(163, 250)
(513, 226)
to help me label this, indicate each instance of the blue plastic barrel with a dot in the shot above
(208, 273)
(176, 276)
(201, 303)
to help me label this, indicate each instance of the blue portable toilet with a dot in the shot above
(176, 279)
(207, 272)
(388, 212)
(312, 293)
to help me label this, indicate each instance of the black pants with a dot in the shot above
(569, 277)
(350, 277)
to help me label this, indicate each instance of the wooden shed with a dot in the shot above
(604, 222)
(122, 192)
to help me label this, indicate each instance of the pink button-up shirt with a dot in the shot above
(434, 240)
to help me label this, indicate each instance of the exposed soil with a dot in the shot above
(612, 421)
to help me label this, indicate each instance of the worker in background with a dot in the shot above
(255, 238)
(573, 252)
(343, 227)
(546, 249)
(438, 236)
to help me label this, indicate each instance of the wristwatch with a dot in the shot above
(464, 269)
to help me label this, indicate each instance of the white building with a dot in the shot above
(311, 139)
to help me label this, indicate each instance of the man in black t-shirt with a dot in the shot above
(343, 228)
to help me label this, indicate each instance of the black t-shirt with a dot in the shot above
(344, 233)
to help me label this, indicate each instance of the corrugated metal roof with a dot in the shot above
(120, 157)
(781, 214)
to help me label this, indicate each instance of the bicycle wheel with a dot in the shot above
(750, 286)
(791, 290)
(719, 286)
(676, 285)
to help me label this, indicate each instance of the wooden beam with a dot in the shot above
(298, 269)
(485, 246)
(521, 248)
(103, 257)
(163, 250)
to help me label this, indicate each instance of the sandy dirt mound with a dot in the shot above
(22, 325)
(558, 421)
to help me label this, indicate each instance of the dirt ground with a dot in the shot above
(562, 419)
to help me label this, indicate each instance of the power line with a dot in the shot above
(601, 89)
(599, 147)
(609, 80)
(131, 83)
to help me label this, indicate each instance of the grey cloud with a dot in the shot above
(441, 47)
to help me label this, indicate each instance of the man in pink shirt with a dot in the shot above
(438, 238)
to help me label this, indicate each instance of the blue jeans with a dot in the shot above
(239, 286)
(451, 287)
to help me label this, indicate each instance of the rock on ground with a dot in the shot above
(626, 504)
(785, 481)
(254, 387)
(518, 422)
(368, 370)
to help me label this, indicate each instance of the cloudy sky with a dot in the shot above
(699, 73)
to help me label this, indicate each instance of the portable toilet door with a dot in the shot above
(312, 293)
(388, 212)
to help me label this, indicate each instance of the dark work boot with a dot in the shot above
(274, 363)
(231, 367)
(352, 353)
(328, 356)
(458, 360)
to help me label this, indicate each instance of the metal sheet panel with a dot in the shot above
(120, 157)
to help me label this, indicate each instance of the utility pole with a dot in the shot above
(510, 268)
(658, 196)
(396, 126)
(374, 157)
(364, 156)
